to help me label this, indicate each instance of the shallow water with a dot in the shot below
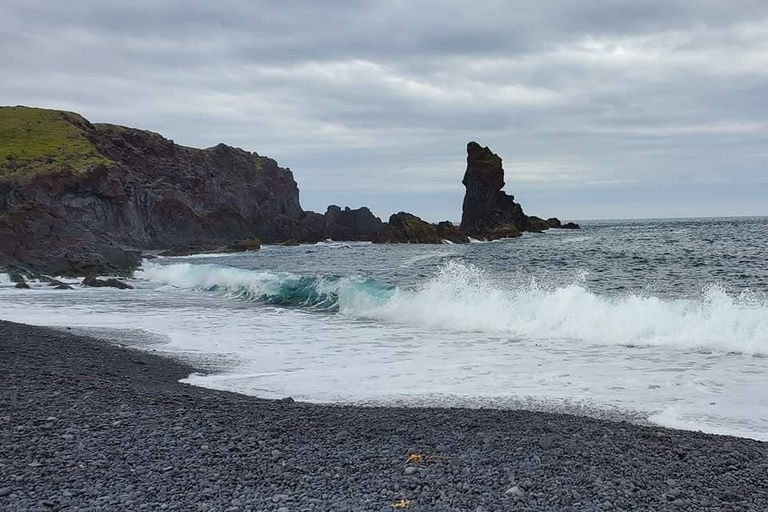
(663, 321)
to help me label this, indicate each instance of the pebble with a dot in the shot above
(546, 442)
(515, 491)
(5, 491)
(410, 470)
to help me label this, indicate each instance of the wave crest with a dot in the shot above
(462, 298)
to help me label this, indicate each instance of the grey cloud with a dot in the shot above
(375, 100)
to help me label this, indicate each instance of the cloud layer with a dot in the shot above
(599, 108)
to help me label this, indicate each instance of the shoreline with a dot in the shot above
(85, 424)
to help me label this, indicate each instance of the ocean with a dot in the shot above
(652, 321)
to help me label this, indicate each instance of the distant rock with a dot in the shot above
(555, 223)
(291, 243)
(62, 286)
(536, 225)
(349, 224)
(93, 282)
(251, 244)
(448, 231)
(189, 250)
(488, 213)
(22, 286)
(16, 277)
(406, 228)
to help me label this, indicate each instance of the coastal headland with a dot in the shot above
(80, 198)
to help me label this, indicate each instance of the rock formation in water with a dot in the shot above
(406, 228)
(348, 224)
(488, 212)
(449, 232)
(76, 197)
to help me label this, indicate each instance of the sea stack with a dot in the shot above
(488, 212)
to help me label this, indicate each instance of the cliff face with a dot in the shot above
(124, 186)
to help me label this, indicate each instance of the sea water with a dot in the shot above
(654, 321)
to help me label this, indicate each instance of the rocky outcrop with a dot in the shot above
(348, 224)
(448, 231)
(405, 228)
(252, 244)
(93, 282)
(536, 224)
(35, 239)
(488, 212)
(555, 223)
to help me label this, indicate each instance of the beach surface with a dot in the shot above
(88, 425)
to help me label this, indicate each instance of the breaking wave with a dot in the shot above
(463, 298)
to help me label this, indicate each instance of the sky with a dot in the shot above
(599, 108)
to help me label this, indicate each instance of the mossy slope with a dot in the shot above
(34, 140)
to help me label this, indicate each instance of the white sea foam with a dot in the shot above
(386, 345)
(462, 298)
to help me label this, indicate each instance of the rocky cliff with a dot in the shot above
(349, 224)
(406, 228)
(79, 198)
(488, 212)
(69, 186)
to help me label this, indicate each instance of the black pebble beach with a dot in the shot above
(86, 425)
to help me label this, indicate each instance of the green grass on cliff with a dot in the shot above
(34, 140)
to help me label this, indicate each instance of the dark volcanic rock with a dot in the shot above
(189, 250)
(93, 282)
(487, 211)
(555, 223)
(78, 213)
(22, 286)
(536, 224)
(251, 244)
(446, 230)
(16, 277)
(348, 224)
(35, 237)
(405, 228)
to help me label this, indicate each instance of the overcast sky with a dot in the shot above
(600, 109)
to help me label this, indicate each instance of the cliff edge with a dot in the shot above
(68, 186)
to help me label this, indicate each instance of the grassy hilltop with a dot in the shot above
(34, 140)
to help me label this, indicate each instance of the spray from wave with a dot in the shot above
(461, 297)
